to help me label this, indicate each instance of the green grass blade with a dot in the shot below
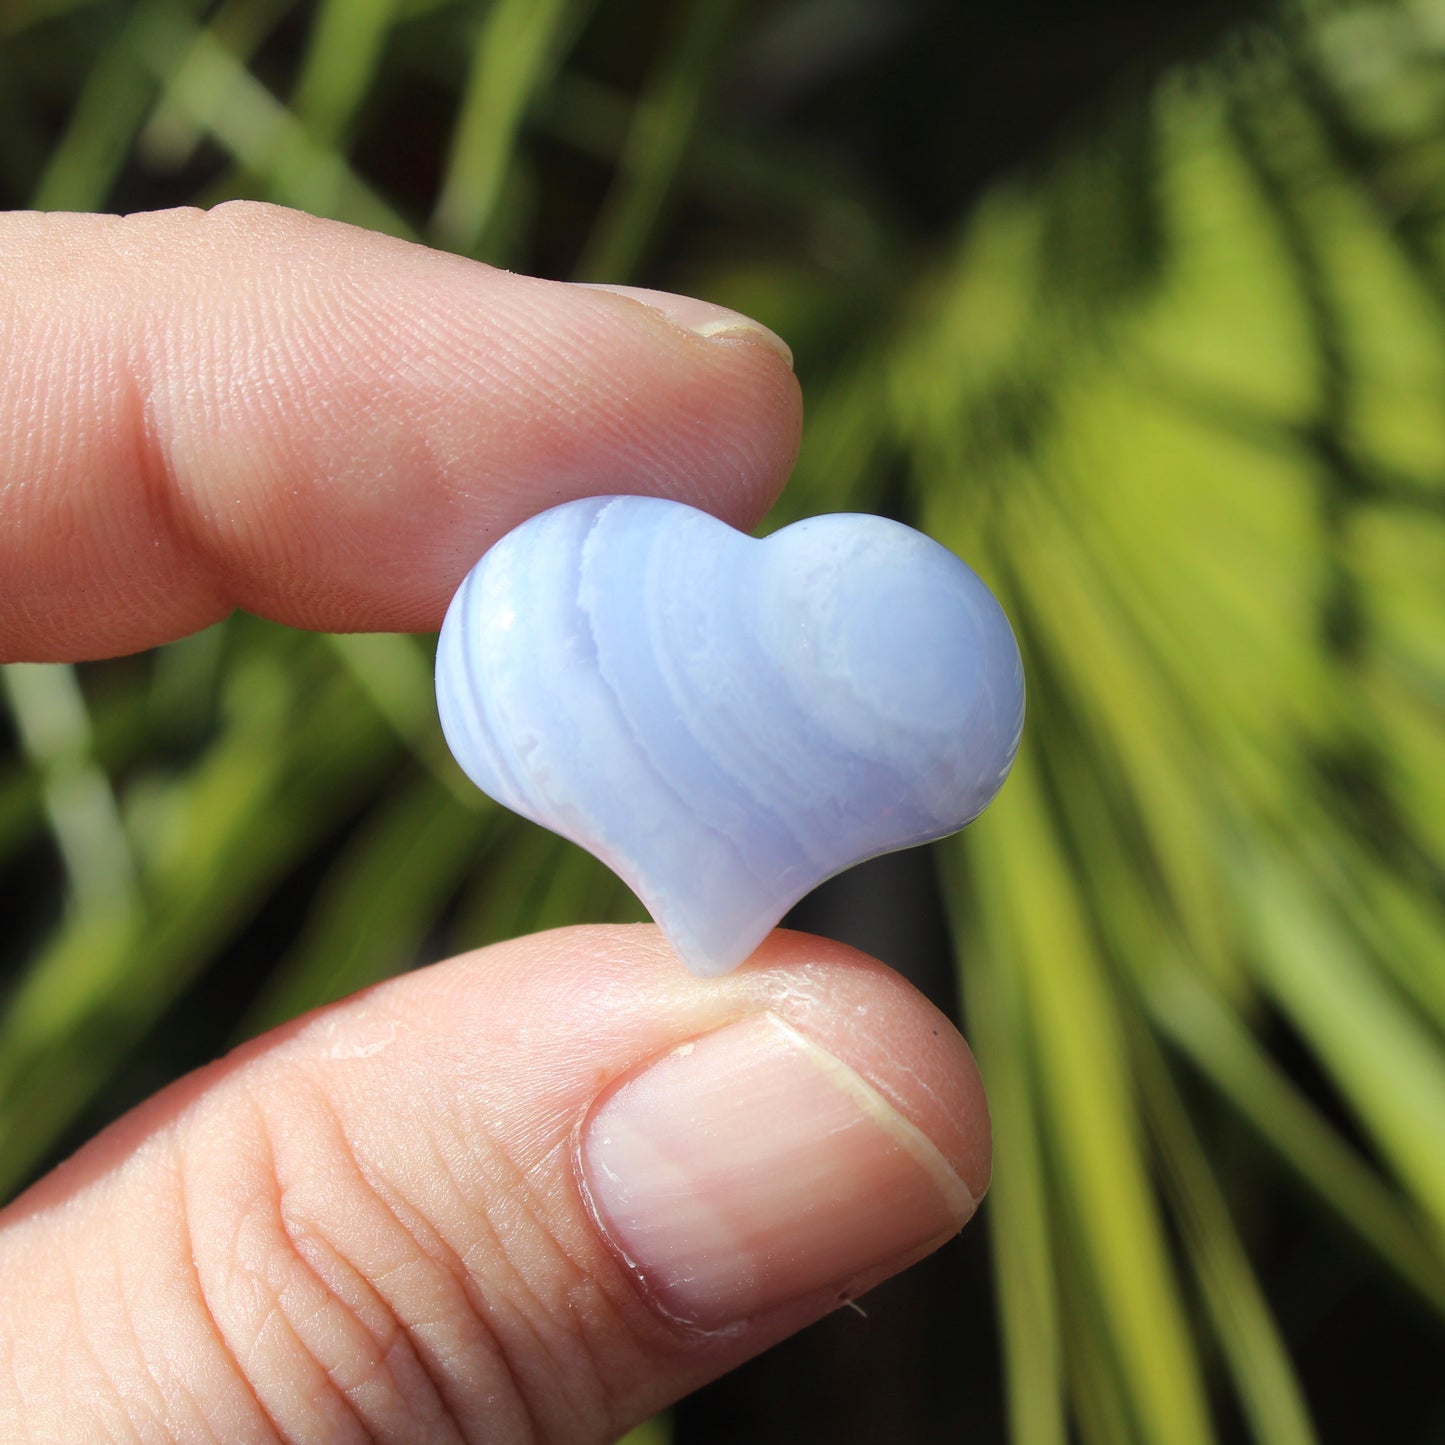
(224, 99)
(657, 1431)
(348, 40)
(517, 49)
(1220, 1046)
(663, 122)
(105, 119)
(17, 16)
(1386, 1062)
(1249, 1340)
(211, 847)
(1100, 1405)
(395, 672)
(990, 984)
(529, 879)
(1083, 1080)
(55, 733)
(171, 133)
(376, 906)
(120, 728)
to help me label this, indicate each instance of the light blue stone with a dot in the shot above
(726, 722)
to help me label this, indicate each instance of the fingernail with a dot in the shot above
(701, 317)
(750, 1168)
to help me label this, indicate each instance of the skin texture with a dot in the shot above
(375, 1223)
(252, 408)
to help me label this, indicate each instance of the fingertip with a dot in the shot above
(253, 407)
(639, 1000)
(703, 318)
(820, 1127)
(891, 1035)
(559, 1181)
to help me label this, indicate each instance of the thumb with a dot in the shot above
(533, 1194)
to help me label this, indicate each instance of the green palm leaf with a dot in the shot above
(1174, 391)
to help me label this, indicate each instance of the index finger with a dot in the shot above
(253, 408)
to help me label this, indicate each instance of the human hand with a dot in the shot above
(532, 1194)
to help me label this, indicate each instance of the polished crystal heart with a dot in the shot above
(726, 722)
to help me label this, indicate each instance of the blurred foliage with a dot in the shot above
(1156, 342)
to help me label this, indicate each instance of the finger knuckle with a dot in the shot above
(357, 1307)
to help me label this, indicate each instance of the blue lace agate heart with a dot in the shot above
(726, 722)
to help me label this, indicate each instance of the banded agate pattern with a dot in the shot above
(725, 721)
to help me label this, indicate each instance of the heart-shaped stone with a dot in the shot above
(723, 721)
